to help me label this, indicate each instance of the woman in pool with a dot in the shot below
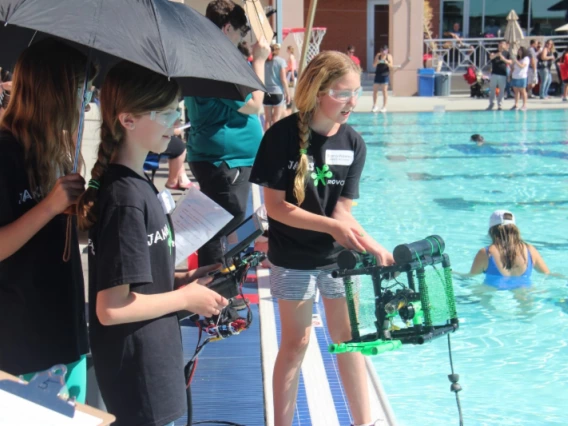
(508, 261)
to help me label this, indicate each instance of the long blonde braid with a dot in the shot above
(318, 77)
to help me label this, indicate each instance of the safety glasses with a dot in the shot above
(345, 95)
(165, 118)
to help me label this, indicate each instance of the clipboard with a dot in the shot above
(38, 401)
(259, 23)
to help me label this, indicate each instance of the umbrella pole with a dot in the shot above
(68, 231)
(307, 34)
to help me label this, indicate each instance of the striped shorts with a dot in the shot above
(296, 284)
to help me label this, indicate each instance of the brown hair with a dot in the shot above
(44, 110)
(522, 53)
(507, 239)
(223, 12)
(127, 88)
(318, 77)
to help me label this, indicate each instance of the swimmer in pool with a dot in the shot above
(508, 261)
(478, 139)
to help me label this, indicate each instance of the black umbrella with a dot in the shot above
(561, 5)
(169, 38)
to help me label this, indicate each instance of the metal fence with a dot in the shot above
(453, 55)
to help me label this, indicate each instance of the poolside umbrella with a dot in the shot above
(167, 37)
(513, 32)
(561, 5)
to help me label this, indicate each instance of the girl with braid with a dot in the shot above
(134, 330)
(310, 164)
(42, 297)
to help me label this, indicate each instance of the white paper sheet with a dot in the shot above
(196, 219)
(16, 411)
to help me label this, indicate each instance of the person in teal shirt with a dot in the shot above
(220, 133)
(225, 135)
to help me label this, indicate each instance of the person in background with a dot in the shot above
(532, 76)
(492, 28)
(278, 95)
(5, 89)
(455, 33)
(177, 155)
(509, 86)
(135, 292)
(500, 61)
(563, 66)
(225, 134)
(508, 261)
(545, 61)
(383, 64)
(521, 65)
(351, 54)
(310, 219)
(244, 49)
(292, 67)
(42, 296)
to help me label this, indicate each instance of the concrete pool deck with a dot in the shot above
(449, 103)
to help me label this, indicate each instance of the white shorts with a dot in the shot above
(532, 77)
(296, 284)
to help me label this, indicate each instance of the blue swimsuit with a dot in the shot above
(494, 277)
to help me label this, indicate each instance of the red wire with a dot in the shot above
(192, 372)
(194, 366)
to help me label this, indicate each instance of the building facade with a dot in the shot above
(370, 24)
(478, 18)
(365, 23)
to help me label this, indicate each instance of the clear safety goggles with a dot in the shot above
(165, 118)
(345, 95)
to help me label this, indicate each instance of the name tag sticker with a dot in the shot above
(167, 201)
(335, 157)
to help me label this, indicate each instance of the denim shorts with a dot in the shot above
(296, 284)
(382, 79)
(519, 83)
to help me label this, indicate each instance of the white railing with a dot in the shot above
(453, 55)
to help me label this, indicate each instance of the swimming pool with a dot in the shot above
(424, 177)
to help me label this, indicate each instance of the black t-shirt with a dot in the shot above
(336, 164)
(498, 67)
(42, 298)
(139, 366)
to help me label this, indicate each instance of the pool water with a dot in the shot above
(423, 176)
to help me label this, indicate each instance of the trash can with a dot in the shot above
(442, 83)
(426, 82)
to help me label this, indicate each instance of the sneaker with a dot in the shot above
(499, 108)
(524, 108)
(383, 110)
(514, 108)
(375, 109)
(490, 107)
